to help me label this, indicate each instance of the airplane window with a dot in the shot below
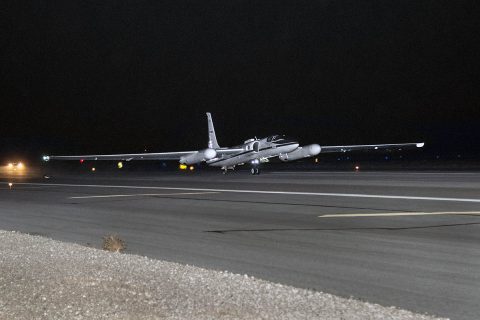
(277, 137)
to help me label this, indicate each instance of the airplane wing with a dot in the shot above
(361, 147)
(139, 156)
(125, 156)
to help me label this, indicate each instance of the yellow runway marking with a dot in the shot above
(398, 214)
(140, 195)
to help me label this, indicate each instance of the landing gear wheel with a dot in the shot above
(255, 171)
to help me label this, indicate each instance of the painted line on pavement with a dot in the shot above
(140, 195)
(365, 173)
(398, 214)
(320, 194)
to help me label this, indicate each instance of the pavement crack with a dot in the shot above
(344, 229)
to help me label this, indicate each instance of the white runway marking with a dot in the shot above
(398, 214)
(320, 194)
(140, 195)
(23, 187)
(372, 173)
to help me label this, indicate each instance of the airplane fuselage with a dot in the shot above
(255, 149)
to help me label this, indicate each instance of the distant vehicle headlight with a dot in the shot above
(20, 165)
(10, 165)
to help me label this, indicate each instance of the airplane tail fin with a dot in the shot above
(212, 138)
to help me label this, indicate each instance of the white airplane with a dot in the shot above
(252, 151)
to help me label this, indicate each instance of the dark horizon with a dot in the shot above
(107, 77)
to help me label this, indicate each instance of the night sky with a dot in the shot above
(118, 76)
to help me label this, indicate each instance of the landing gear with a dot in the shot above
(225, 169)
(255, 166)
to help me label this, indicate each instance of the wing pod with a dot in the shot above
(199, 156)
(302, 152)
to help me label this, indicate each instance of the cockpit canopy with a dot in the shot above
(279, 138)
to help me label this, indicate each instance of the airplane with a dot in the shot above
(252, 151)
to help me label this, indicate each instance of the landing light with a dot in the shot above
(183, 166)
(192, 168)
(93, 169)
(10, 185)
(357, 168)
(120, 165)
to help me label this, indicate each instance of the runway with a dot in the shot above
(406, 239)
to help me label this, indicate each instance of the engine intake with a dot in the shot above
(198, 157)
(302, 152)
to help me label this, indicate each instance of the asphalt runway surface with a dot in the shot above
(405, 239)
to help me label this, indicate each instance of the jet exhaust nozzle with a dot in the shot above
(302, 152)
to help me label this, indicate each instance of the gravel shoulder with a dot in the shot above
(46, 279)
